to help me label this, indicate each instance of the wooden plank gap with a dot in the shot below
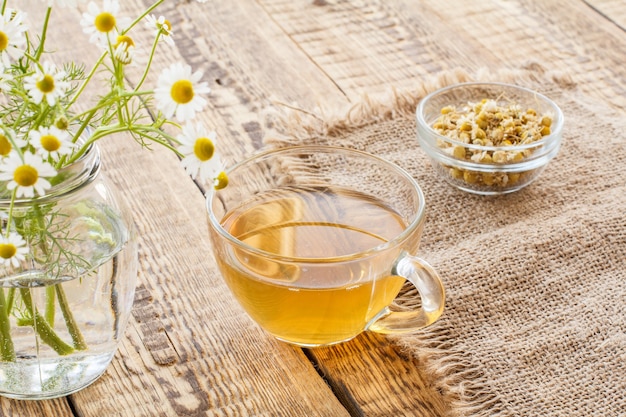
(299, 46)
(604, 15)
(72, 405)
(341, 392)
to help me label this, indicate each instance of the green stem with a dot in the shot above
(43, 329)
(107, 101)
(146, 131)
(86, 81)
(10, 299)
(149, 64)
(77, 336)
(18, 119)
(44, 31)
(50, 305)
(10, 215)
(144, 14)
(84, 124)
(7, 351)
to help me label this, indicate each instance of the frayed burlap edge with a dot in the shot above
(296, 126)
(463, 383)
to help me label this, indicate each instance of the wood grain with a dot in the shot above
(613, 10)
(189, 349)
(371, 377)
(57, 407)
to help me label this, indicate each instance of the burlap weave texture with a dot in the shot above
(535, 320)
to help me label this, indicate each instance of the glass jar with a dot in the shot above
(65, 305)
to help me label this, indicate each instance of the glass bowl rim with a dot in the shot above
(552, 139)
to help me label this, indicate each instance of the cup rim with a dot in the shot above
(554, 136)
(408, 229)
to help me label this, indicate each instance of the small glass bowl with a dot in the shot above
(489, 165)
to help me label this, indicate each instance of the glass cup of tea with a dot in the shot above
(316, 243)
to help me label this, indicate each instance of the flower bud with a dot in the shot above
(62, 123)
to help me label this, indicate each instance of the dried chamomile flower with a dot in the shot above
(488, 123)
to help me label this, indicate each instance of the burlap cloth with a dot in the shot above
(535, 320)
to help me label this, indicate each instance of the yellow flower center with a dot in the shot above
(221, 181)
(25, 176)
(105, 22)
(50, 143)
(7, 250)
(4, 41)
(46, 84)
(124, 39)
(182, 91)
(203, 149)
(5, 145)
(166, 27)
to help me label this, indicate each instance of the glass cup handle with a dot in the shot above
(431, 291)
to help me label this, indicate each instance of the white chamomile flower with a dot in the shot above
(198, 147)
(27, 176)
(124, 49)
(48, 82)
(162, 27)
(9, 141)
(5, 77)
(12, 250)
(51, 142)
(12, 36)
(178, 92)
(103, 23)
(64, 3)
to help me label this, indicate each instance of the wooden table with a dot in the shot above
(189, 349)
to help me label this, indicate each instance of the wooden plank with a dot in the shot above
(613, 10)
(210, 354)
(365, 47)
(365, 59)
(371, 46)
(371, 377)
(356, 378)
(189, 349)
(49, 408)
(360, 63)
(417, 42)
(249, 67)
(303, 53)
(556, 35)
